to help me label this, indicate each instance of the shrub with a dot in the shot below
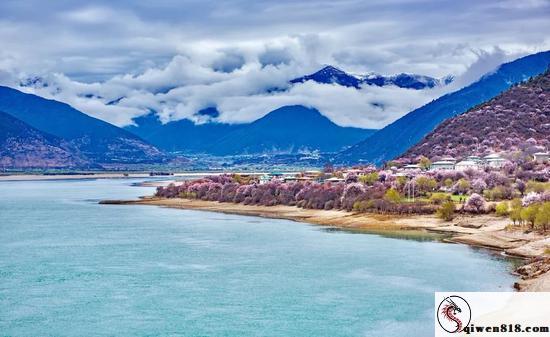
(479, 185)
(425, 184)
(531, 198)
(401, 181)
(498, 193)
(515, 211)
(529, 214)
(475, 204)
(446, 211)
(542, 219)
(369, 178)
(462, 186)
(439, 198)
(351, 178)
(392, 195)
(424, 163)
(502, 208)
(383, 206)
(536, 186)
(352, 193)
(362, 206)
(494, 179)
(520, 186)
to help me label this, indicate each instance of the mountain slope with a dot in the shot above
(332, 75)
(289, 129)
(96, 139)
(179, 136)
(505, 123)
(24, 147)
(396, 138)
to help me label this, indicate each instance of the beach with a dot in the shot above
(486, 231)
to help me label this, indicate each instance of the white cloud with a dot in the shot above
(88, 15)
(184, 86)
(177, 57)
(486, 62)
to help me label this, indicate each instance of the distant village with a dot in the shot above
(491, 161)
(514, 185)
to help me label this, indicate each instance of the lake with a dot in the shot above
(72, 267)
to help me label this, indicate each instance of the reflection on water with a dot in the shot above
(409, 234)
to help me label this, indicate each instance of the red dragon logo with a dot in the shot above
(452, 317)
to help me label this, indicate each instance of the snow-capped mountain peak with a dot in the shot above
(332, 75)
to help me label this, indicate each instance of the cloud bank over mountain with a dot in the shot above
(116, 60)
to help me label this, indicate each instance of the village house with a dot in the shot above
(411, 167)
(289, 178)
(442, 165)
(467, 164)
(541, 157)
(334, 180)
(351, 172)
(474, 159)
(448, 158)
(494, 160)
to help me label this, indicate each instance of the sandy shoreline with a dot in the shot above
(485, 231)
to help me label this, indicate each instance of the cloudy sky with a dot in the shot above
(116, 60)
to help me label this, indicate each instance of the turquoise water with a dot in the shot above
(71, 267)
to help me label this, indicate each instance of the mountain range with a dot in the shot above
(289, 129)
(180, 136)
(24, 147)
(40, 133)
(517, 119)
(93, 139)
(394, 139)
(333, 75)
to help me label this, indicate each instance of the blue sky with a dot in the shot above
(176, 57)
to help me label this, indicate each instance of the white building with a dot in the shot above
(494, 160)
(474, 159)
(466, 164)
(442, 165)
(412, 167)
(289, 178)
(334, 180)
(449, 158)
(541, 156)
(351, 171)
